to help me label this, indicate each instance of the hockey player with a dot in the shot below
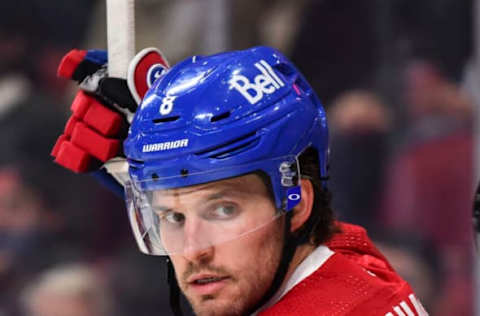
(227, 160)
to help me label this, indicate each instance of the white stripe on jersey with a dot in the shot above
(399, 311)
(406, 308)
(418, 306)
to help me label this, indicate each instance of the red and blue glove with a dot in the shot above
(101, 112)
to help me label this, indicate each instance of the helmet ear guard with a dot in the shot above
(301, 86)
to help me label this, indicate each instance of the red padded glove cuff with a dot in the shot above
(98, 146)
(56, 147)
(81, 103)
(104, 120)
(72, 157)
(89, 110)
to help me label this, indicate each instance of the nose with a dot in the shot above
(202, 255)
(196, 247)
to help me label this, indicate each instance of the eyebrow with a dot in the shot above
(211, 197)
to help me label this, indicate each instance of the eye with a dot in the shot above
(175, 218)
(223, 211)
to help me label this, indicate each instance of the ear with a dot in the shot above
(302, 211)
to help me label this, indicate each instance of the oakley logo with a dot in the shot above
(266, 82)
(165, 146)
(294, 197)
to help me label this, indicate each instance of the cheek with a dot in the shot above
(254, 257)
(179, 264)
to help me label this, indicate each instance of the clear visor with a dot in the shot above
(188, 219)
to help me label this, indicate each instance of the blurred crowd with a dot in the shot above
(388, 72)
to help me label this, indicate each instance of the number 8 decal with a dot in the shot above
(167, 105)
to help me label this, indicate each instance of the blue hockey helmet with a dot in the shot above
(218, 117)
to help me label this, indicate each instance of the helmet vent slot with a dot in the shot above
(231, 148)
(284, 69)
(135, 164)
(237, 150)
(302, 85)
(219, 117)
(166, 119)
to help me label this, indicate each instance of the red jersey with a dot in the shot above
(356, 280)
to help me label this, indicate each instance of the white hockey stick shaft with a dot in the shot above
(120, 36)
(121, 49)
(120, 40)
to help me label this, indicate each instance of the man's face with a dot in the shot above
(228, 277)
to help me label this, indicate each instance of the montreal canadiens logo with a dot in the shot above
(147, 66)
(155, 72)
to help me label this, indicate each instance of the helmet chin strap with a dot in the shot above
(288, 250)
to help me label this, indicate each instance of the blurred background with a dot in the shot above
(399, 79)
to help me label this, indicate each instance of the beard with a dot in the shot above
(245, 287)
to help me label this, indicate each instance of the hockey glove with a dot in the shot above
(101, 112)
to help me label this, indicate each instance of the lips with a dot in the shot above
(207, 284)
(205, 279)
